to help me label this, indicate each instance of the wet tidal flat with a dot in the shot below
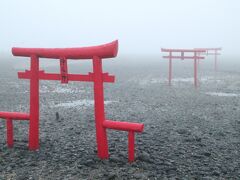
(189, 133)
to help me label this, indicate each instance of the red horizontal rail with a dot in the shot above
(123, 126)
(14, 115)
(71, 77)
(102, 51)
(209, 49)
(182, 50)
(212, 54)
(184, 57)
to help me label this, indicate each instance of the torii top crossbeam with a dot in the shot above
(212, 51)
(102, 51)
(63, 54)
(196, 56)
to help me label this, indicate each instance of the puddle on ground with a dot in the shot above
(176, 80)
(59, 90)
(222, 94)
(182, 80)
(67, 90)
(83, 102)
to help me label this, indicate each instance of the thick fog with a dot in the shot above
(142, 27)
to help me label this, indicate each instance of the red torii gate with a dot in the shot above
(211, 51)
(195, 57)
(96, 53)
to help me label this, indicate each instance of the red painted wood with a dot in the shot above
(109, 50)
(9, 133)
(101, 134)
(196, 57)
(131, 146)
(14, 115)
(10, 116)
(71, 77)
(215, 60)
(195, 71)
(182, 50)
(211, 51)
(183, 57)
(208, 49)
(34, 104)
(123, 126)
(64, 70)
(170, 70)
(96, 53)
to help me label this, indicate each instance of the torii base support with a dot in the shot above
(9, 133)
(131, 146)
(9, 117)
(126, 126)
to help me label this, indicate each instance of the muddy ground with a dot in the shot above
(189, 133)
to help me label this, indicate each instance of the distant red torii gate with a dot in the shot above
(211, 51)
(195, 57)
(96, 53)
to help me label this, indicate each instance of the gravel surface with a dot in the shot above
(189, 133)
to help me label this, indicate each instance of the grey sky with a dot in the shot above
(142, 27)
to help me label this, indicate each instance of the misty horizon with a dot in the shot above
(141, 27)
